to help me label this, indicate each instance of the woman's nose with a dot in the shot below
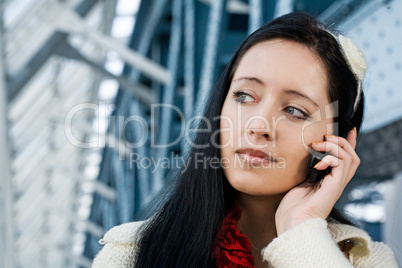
(260, 128)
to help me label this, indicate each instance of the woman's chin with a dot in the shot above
(259, 190)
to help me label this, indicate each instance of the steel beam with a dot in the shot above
(73, 24)
(148, 18)
(142, 46)
(340, 11)
(7, 192)
(255, 15)
(189, 57)
(169, 93)
(261, 11)
(189, 63)
(283, 7)
(16, 83)
(216, 16)
(233, 6)
(141, 92)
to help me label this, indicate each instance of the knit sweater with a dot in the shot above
(313, 243)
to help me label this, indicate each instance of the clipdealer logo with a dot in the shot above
(100, 138)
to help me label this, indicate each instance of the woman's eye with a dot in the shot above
(242, 97)
(296, 113)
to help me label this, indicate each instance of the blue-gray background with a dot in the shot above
(78, 79)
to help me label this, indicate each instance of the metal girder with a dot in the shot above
(110, 13)
(261, 11)
(28, 199)
(255, 15)
(151, 15)
(99, 187)
(141, 92)
(66, 219)
(29, 123)
(38, 153)
(32, 91)
(283, 7)
(169, 92)
(16, 83)
(148, 18)
(189, 57)
(38, 221)
(189, 63)
(63, 154)
(340, 10)
(109, 140)
(26, 35)
(233, 6)
(141, 176)
(73, 24)
(7, 236)
(37, 128)
(33, 196)
(215, 26)
(83, 225)
(27, 119)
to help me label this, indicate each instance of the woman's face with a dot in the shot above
(277, 105)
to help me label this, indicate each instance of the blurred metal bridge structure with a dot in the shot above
(78, 134)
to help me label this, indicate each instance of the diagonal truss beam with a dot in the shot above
(73, 24)
(141, 92)
(16, 83)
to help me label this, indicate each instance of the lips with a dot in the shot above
(255, 156)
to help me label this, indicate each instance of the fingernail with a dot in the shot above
(316, 165)
(329, 136)
(355, 129)
(317, 143)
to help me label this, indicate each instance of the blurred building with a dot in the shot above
(81, 83)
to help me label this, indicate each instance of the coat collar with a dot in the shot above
(343, 232)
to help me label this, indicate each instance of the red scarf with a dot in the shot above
(233, 248)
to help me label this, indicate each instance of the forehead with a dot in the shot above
(285, 64)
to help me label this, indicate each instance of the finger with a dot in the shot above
(332, 161)
(328, 161)
(345, 173)
(342, 142)
(331, 148)
(347, 147)
(351, 160)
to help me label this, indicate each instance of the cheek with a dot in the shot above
(298, 154)
(315, 131)
(228, 124)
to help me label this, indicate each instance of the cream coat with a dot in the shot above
(313, 243)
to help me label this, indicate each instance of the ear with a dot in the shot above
(352, 136)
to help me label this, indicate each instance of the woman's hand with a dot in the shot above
(306, 201)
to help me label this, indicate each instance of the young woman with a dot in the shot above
(289, 85)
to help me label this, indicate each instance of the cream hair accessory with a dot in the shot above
(356, 61)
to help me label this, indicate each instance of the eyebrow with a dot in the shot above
(301, 95)
(287, 92)
(250, 78)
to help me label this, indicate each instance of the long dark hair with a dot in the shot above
(183, 231)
